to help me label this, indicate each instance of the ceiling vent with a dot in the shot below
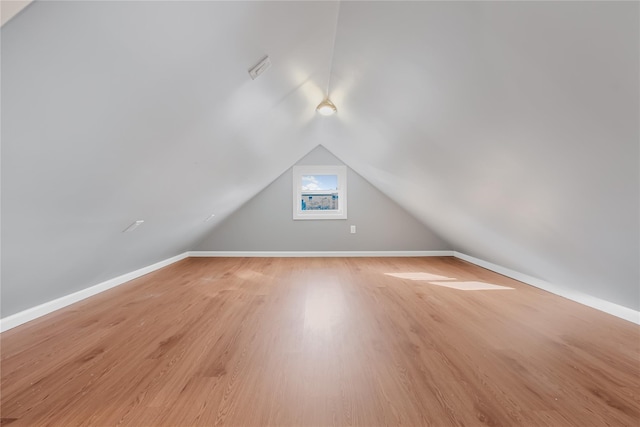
(260, 67)
(133, 226)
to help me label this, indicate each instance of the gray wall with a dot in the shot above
(265, 222)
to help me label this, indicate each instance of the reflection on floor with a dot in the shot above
(470, 286)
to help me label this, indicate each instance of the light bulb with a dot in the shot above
(326, 108)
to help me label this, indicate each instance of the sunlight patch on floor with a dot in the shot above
(449, 282)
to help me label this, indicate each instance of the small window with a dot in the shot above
(319, 192)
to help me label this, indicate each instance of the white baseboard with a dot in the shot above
(620, 311)
(46, 308)
(325, 254)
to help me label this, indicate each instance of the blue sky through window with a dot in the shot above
(319, 182)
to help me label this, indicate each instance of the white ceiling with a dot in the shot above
(510, 128)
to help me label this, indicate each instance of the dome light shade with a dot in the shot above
(326, 108)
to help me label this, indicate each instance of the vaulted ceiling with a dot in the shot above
(511, 128)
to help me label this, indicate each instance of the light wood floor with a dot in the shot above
(301, 342)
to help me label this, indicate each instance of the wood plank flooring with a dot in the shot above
(321, 342)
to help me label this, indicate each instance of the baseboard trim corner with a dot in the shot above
(317, 254)
(614, 309)
(33, 313)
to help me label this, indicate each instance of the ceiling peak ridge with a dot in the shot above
(333, 49)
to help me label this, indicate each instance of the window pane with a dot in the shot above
(319, 202)
(319, 182)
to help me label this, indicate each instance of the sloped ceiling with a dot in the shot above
(118, 111)
(510, 128)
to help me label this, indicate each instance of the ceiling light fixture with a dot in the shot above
(326, 107)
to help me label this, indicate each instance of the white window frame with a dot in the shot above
(299, 172)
